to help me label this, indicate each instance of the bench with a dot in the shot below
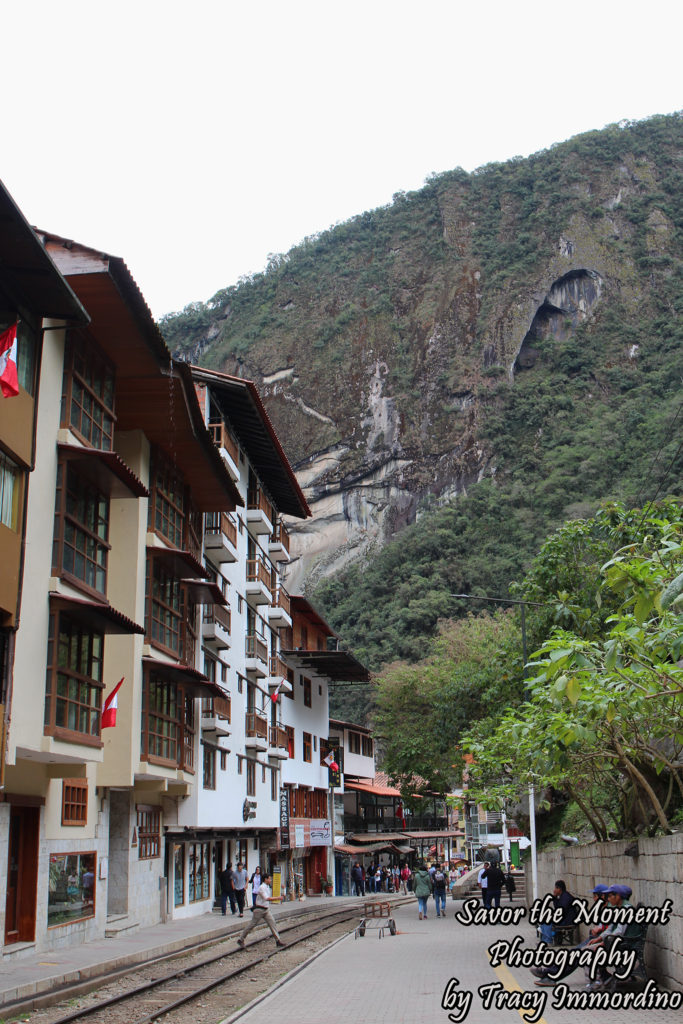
(633, 939)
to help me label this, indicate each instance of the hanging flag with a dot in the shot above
(110, 706)
(9, 379)
(330, 761)
(276, 692)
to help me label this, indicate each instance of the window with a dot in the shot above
(263, 774)
(80, 545)
(354, 742)
(74, 802)
(367, 746)
(10, 488)
(88, 393)
(199, 870)
(291, 750)
(73, 689)
(307, 746)
(167, 723)
(164, 610)
(209, 767)
(178, 875)
(290, 680)
(307, 691)
(71, 888)
(224, 760)
(239, 764)
(166, 510)
(273, 784)
(149, 831)
(251, 778)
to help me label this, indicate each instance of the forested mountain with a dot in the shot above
(465, 369)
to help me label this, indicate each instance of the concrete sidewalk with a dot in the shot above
(405, 979)
(31, 974)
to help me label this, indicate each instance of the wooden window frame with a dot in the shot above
(75, 802)
(148, 827)
(208, 767)
(164, 608)
(354, 742)
(87, 410)
(291, 741)
(166, 723)
(307, 747)
(308, 699)
(167, 501)
(74, 538)
(66, 686)
(251, 777)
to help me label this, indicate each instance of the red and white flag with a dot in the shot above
(9, 379)
(110, 706)
(276, 692)
(330, 761)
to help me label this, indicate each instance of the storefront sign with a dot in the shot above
(284, 819)
(305, 832)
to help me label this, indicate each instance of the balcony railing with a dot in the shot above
(256, 500)
(277, 667)
(255, 647)
(216, 707)
(280, 535)
(223, 439)
(282, 600)
(258, 571)
(278, 737)
(217, 613)
(256, 724)
(220, 522)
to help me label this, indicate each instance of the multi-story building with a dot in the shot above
(35, 298)
(165, 702)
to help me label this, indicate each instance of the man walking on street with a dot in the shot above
(227, 890)
(262, 914)
(239, 881)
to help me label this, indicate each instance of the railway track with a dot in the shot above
(201, 990)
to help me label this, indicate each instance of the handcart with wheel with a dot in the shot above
(376, 915)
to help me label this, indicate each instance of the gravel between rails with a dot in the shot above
(213, 1006)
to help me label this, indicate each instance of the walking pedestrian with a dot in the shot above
(495, 880)
(239, 881)
(510, 884)
(227, 890)
(440, 882)
(483, 884)
(262, 914)
(255, 881)
(422, 887)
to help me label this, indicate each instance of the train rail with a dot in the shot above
(202, 989)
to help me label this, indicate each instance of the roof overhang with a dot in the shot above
(97, 615)
(106, 470)
(241, 405)
(28, 276)
(336, 665)
(194, 682)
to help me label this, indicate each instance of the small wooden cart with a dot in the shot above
(376, 915)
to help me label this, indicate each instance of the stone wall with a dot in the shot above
(654, 870)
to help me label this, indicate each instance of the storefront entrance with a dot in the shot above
(22, 874)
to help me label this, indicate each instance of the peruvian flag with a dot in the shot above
(330, 761)
(110, 706)
(9, 380)
(276, 692)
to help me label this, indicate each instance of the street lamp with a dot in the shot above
(532, 811)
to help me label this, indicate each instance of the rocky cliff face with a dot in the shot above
(378, 346)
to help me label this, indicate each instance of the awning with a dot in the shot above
(194, 683)
(352, 851)
(334, 664)
(205, 592)
(441, 834)
(373, 837)
(100, 617)
(178, 562)
(369, 787)
(106, 470)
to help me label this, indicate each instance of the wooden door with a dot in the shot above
(22, 874)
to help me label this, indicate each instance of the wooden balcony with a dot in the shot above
(280, 613)
(256, 654)
(278, 742)
(216, 626)
(220, 537)
(256, 730)
(278, 669)
(216, 713)
(227, 445)
(278, 544)
(258, 587)
(259, 512)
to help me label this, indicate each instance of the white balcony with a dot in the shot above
(220, 537)
(256, 656)
(257, 588)
(216, 627)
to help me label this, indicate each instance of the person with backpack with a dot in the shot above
(440, 883)
(227, 890)
(422, 887)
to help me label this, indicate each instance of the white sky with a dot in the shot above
(194, 138)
